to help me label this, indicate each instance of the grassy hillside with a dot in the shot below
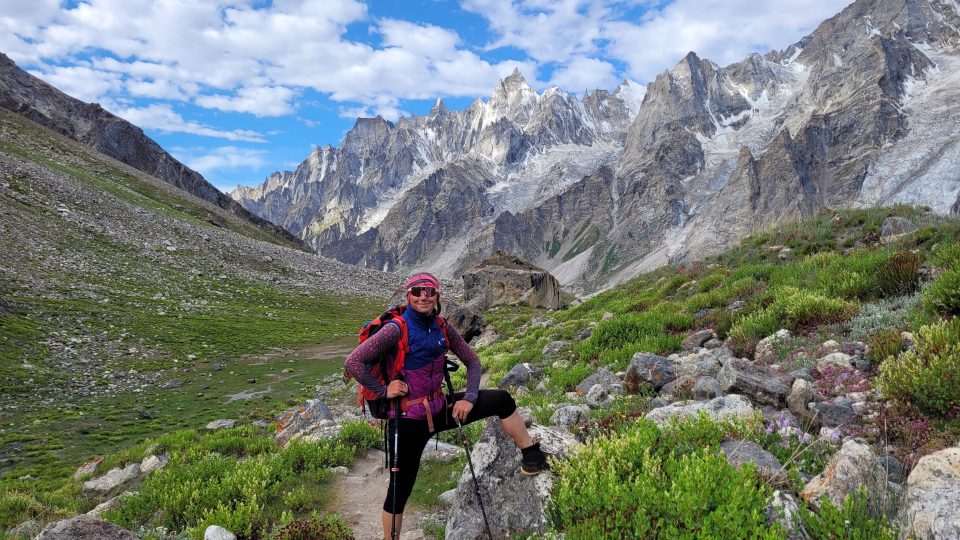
(131, 308)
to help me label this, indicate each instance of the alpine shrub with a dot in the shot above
(852, 520)
(929, 376)
(644, 483)
(943, 296)
(900, 274)
(882, 345)
(329, 527)
(946, 255)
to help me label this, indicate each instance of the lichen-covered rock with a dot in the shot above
(739, 452)
(706, 388)
(302, 421)
(896, 227)
(225, 423)
(802, 393)
(837, 359)
(728, 407)
(216, 532)
(766, 349)
(648, 369)
(929, 506)
(84, 527)
(152, 463)
(784, 510)
(853, 467)
(515, 504)
(696, 340)
(570, 415)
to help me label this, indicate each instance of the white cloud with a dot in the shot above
(547, 30)
(231, 158)
(163, 118)
(582, 73)
(724, 31)
(81, 82)
(259, 101)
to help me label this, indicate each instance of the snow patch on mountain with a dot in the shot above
(924, 166)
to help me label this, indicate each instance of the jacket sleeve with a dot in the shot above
(369, 352)
(469, 357)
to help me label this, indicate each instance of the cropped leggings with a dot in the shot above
(414, 434)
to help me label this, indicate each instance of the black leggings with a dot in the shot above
(414, 434)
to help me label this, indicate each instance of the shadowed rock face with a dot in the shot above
(503, 279)
(597, 189)
(88, 123)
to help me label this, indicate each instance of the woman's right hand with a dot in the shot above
(396, 388)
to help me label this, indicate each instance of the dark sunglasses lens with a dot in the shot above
(417, 291)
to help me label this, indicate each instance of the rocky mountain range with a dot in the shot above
(599, 188)
(113, 136)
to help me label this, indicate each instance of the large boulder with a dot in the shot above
(722, 408)
(84, 527)
(929, 506)
(764, 386)
(739, 452)
(505, 280)
(469, 323)
(648, 369)
(515, 504)
(307, 419)
(853, 467)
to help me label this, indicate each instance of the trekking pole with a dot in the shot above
(394, 469)
(449, 366)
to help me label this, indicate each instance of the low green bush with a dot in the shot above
(635, 328)
(946, 255)
(883, 345)
(943, 295)
(328, 527)
(852, 520)
(929, 376)
(882, 315)
(648, 483)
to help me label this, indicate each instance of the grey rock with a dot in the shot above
(520, 500)
(299, 422)
(216, 532)
(224, 423)
(599, 397)
(114, 478)
(802, 393)
(706, 388)
(469, 323)
(929, 506)
(570, 415)
(739, 452)
(554, 347)
(803, 373)
(171, 384)
(852, 467)
(488, 337)
(896, 227)
(861, 363)
(647, 369)
(896, 472)
(27, 529)
(520, 375)
(728, 407)
(441, 451)
(834, 414)
(767, 347)
(152, 463)
(84, 527)
(784, 510)
(602, 376)
(713, 343)
(764, 386)
(87, 468)
(696, 340)
(837, 359)
(448, 497)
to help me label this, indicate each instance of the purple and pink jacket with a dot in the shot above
(422, 365)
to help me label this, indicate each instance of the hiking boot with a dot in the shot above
(533, 460)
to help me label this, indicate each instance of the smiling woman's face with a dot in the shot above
(423, 303)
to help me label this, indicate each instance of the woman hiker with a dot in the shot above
(420, 388)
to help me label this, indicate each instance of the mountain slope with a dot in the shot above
(29, 96)
(859, 113)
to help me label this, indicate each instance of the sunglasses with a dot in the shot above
(420, 291)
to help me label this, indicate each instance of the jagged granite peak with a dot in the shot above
(113, 136)
(860, 112)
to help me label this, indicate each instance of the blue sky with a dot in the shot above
(237, 89)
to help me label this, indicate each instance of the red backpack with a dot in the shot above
(389, 364)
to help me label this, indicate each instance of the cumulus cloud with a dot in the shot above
(259, 101)
(583, 73)
(163, 118)
(215, 164)
(80, 81)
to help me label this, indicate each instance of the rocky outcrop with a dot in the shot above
(505, 280)
(310, 419)
(728, 407)
(469, 323)
(90, 124)
(853, 467)
(113, 479)
(928, 508)
(85, 527)
(514, 504)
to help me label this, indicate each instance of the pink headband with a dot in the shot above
(423, 280)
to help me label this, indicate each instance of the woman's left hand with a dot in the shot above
(461, 409)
